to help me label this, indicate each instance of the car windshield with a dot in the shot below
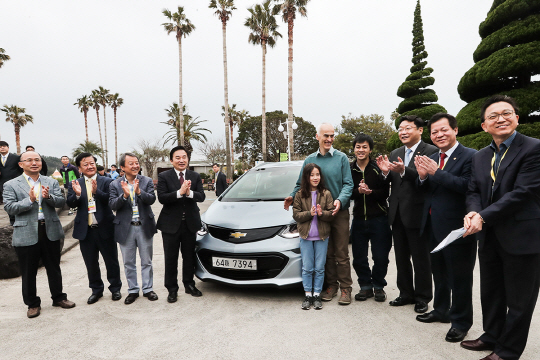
(264, 184)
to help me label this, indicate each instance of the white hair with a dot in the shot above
(321, 125)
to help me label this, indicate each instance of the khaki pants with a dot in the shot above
(338, 265)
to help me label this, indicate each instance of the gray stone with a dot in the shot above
(9, 264)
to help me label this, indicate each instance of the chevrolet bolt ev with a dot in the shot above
(248, 238)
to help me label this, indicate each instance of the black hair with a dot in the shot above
(3, 143)
(122, 160)
(83, 155)
(114, 166)
(495, 99)
(305, 184)
(30, 146)
(215, 164)
(361, 138)
(439, 116)
(63, 156)
(99, 168)
(176, 148)
(418, 122)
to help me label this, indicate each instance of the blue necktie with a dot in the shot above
(408, 153)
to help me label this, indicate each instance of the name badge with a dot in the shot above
(40, 209)
(135, 211)
(91, 206)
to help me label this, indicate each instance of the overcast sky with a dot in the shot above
(350, 56)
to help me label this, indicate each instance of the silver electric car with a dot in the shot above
(248, 238)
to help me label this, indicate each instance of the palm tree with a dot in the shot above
(235, 118)
(224, 11)
(95, 100)
(104, 96)
(262, 24)
(84, 103)
(89, 147)
(182, 27)
(3, 57)
(192, 129)
(18, 117)
(115, 101)
(288, 10)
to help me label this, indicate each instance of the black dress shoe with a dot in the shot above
(432, 317)
(94, 298)
(116, 295)
(477, 345)
(152, 296)
(173, 295)
(191, 289)
(455, 335)
(131, 298)
(399, 301)
(420, 307)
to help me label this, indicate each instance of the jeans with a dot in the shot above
(378, 232)
(313, 260)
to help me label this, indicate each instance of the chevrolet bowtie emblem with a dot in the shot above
(237, 235)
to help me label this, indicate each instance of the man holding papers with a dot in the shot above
(504, 204)
(444, 176)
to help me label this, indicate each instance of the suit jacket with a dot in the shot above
(512, 208)
(10, 169)
(221, 183)
(17, 203)
(173, 207)
(445, 193)
(103, 214)
(124, 208)
(404, 194)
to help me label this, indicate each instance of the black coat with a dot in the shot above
(173, 207)
(10, 170)
(221, 183)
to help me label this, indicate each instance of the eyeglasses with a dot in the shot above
(506, 114)
(29, 161)
(407, 129)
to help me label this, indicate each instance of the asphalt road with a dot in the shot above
(226, 323)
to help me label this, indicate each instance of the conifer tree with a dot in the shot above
(505, 62)
(417, 99)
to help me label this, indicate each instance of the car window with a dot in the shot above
(264, 184)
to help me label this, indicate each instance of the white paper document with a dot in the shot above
(453, 236)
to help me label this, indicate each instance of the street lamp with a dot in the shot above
(286, 134)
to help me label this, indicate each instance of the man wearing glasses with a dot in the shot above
(32, 200)
(406, 204)
(503, 201)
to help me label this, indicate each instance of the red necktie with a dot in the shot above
(181, 178)
(441, 164)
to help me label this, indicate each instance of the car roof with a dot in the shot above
(279, 164)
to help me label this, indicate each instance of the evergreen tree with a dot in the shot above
(505, 62)
(417, 99)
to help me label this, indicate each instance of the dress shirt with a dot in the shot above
(502, 150)
(178, 192)
(38, 194)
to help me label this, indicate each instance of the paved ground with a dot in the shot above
(226, 323)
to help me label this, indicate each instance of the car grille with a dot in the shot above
(243, 236)
(269, 265)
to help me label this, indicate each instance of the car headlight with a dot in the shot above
(290, 231)
(204, 230)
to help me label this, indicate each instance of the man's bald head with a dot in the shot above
(30, 162)
(324, 127)
(325, 136)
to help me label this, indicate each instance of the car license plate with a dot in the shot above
(239, 264)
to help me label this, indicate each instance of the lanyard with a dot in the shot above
(493, 174)
(36, 190)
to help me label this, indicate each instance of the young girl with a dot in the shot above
(312, 210)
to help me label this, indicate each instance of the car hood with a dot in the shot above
(247, 215)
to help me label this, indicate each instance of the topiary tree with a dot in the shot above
(418, 100)
(505, 62)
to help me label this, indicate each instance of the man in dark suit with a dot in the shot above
(131, 197)
(94, 226)
(444, 176)
(9, 166)
(503, 200)
(179, 190)
(404, 215)
(220, 180)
